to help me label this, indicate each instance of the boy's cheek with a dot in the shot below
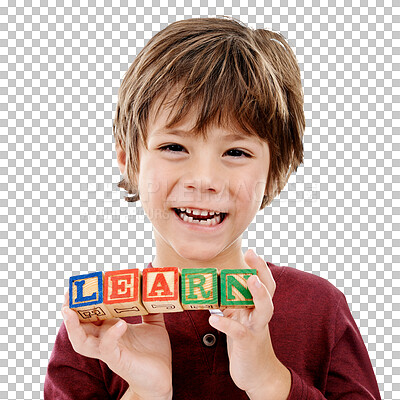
(159, 214)
(247, 190)
(153, 187)
(260, 188)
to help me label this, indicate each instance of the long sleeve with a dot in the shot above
(71, 376)
(348, 370)
(351, 375)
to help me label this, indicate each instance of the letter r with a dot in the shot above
(201, 280)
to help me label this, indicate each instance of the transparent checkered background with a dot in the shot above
(61, 213)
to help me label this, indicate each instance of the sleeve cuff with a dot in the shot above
(301, 391)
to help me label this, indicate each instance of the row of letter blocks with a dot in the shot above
(97, 296)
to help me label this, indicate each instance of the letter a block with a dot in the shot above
(199, 288)
(234, 289)
(86, 297)
(122, 293)
(161, 290)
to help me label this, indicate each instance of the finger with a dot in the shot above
(109, 349)
(230, 327)
(66, 299)
(154, 319)
(81, 342)
(263, 306)
(237, 314)
(231, 313)
(264, 273)
(66, 304)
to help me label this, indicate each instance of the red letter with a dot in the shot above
(120, 286)
(160, 284)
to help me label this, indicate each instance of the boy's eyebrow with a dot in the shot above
(178, 132)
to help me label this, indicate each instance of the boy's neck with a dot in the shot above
(231, 257)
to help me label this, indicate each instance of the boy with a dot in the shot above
(208, 128)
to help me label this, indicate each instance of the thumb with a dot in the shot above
(154, 319)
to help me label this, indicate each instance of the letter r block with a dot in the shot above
(161, 290)
(86, 297)
(199, 288)
(122, 293)
(234, 289)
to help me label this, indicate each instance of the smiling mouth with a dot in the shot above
(207, 220)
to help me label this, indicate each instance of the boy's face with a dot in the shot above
(181, 171)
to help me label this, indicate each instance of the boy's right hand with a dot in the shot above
(138, 353)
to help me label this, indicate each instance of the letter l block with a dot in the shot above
(86, 297)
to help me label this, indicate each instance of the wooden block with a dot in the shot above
(234, 289)
(122, 293)
(86, 297)
(161, 290)
(199, 288)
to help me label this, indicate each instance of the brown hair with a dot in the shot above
(234, 75)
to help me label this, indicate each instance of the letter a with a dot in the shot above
(160, 284)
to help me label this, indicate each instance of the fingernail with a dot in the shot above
(119, 324)
(64, 314)
(214, 319)
(252, 254)
(258, 282)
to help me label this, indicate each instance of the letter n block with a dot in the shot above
(199, 288)
(86, 297)
(161, 290)
(122, 293)
(234, 290)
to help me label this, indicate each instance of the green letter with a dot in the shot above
(192, 285)
(232, 281)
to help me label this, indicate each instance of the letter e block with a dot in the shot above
(161, 290)
(122, 293)
(234, 290)
(86, 297)
(199, 288)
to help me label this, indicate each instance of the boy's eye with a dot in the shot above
(171, 147)
(237, 153)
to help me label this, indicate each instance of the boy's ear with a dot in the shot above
(121, 159)
(271, 188)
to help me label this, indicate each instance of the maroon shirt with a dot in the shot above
(312, 332)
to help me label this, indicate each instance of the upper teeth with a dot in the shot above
(199, 212)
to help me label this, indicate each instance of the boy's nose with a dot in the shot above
(205, 175)
(202, 185)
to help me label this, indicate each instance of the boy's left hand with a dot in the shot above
(253, 365)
